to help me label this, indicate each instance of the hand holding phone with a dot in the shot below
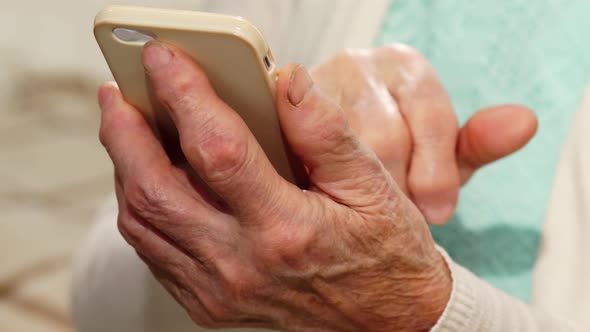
(230, 50)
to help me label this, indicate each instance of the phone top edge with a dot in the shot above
(146, 17)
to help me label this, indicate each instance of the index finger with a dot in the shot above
(126, 136)
(215, 140)
(433, 179)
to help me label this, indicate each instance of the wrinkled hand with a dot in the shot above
(396, 105)
(352, 253)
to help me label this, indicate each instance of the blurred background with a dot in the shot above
(54, 175)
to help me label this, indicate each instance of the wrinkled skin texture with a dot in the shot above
(396, 104)
(351, 253)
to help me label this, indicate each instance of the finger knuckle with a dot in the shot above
(240, 283)
(128, 233)
(219, 314)
(147, 195)
(295, 252)
(224, 154)
(184, 101)
(432, 185)
(408, 59)
(350, 65)
(388, 155)
(182, 81)
(218, 142)
(288, 245)
(201, 310)
(186, 84)
(401, 51)
(206, 316)
(348, 56)
(354, 60)
(439, 137)
(206, 312)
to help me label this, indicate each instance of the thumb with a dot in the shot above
(491, 134)
(318, 133)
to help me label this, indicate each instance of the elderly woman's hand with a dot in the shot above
(352, 253)
(396, 105)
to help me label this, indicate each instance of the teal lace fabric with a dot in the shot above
(503, 51)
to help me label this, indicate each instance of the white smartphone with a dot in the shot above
(231, 51)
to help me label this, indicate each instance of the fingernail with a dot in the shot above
(437, 212)
(105, 95)
(300, 84)
(155, 56)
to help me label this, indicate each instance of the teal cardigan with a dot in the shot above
(533, 52)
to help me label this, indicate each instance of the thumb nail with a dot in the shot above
(300, 84)
(156, 56)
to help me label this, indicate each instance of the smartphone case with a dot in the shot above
(230, 50)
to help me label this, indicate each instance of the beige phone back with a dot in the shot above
(230, 50)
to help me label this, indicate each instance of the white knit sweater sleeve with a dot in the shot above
(475, 305)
